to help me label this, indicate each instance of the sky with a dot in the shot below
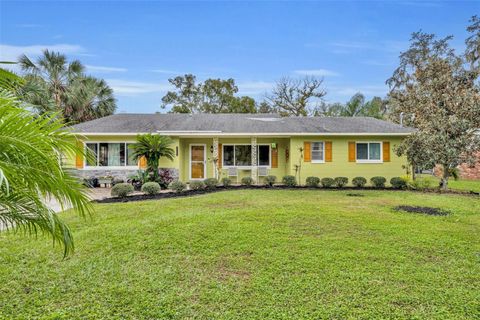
(137, 46)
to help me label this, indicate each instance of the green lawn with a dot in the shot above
(254, 254)
(467, 185)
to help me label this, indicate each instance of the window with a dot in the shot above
(110, 155)
(369, 151)
(241, 155)
(317, 152)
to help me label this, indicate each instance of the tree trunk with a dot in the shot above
(445, 175)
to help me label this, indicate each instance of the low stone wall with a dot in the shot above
(118, 174)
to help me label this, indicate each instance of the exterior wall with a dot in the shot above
(340, 166)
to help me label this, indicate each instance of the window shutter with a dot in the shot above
(351, 151)
(307, 154)
(79, 156)
(142, 162)
(220, 154)
(386, 151)
(328, 151)
(274, 155)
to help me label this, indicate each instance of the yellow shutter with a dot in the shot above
(386, 151)
(328, 151)
(351, 151)
(307, 154)
(220, 154)
(274, 158)
(142, 162)
(79, 156)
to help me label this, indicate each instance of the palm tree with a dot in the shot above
(355, 106)
(153, 147)
(54, 84)
(31, 149)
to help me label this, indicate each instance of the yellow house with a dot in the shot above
(238, 145)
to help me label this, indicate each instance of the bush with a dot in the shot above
(150, 188)
(289, 181)
(359, 182)
(226, 182)
(270, 180)
(165, 177)
(177, 186)
(421, 183)
(211, 183)
(327, 182)
(91, 182)
(340, 182)
(197, 185)
(117, 181)
(247, 181)
(398, 183)
(312, 182)
(122, 190)
(378, 182)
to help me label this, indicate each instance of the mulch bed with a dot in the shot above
(423, 210)
(188, 193)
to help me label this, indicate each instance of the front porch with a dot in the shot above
(235, 158)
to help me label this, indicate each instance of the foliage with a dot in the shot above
(164, 177)
(177, 186)
(437, 92)
(270, 180)
(31, 148)
(289, 181)
(122, 190)
(211, 183)
(211, 96)
(117, 181)
(295, 96)
(359, 182)
(90, 182)
(151, 188)
(226, 182)
(54, 84)
(340, 182)
(327, 182)
(153, 147)
(398, 183)
(378, 181)
(356, 107)
(206, 248)
(197, 185)
(312, 182)
(421, 183)
(247, 181)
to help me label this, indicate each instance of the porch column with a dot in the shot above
(215, 157)
(254, 159)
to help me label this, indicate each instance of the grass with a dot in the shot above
(254, 254)
(466, 185)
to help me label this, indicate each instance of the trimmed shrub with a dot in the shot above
(177, 186)
(359, 182)
(270, 180)
(150, 188)
(289, 181)
(247, 181)
(378, 182)
(197, 185)
(327, 182)
(211, 183)
(122, 190)
(340, 182)
(312, 182)
(398, 183)
(117, 181)
(226, 182)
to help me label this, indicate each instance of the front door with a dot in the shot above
(197, 161)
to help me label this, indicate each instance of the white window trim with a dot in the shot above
(97, 167)
(368, 152)
(311, 150)
(204, 161)
(246, 144)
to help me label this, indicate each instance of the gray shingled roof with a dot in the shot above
(236, 123)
